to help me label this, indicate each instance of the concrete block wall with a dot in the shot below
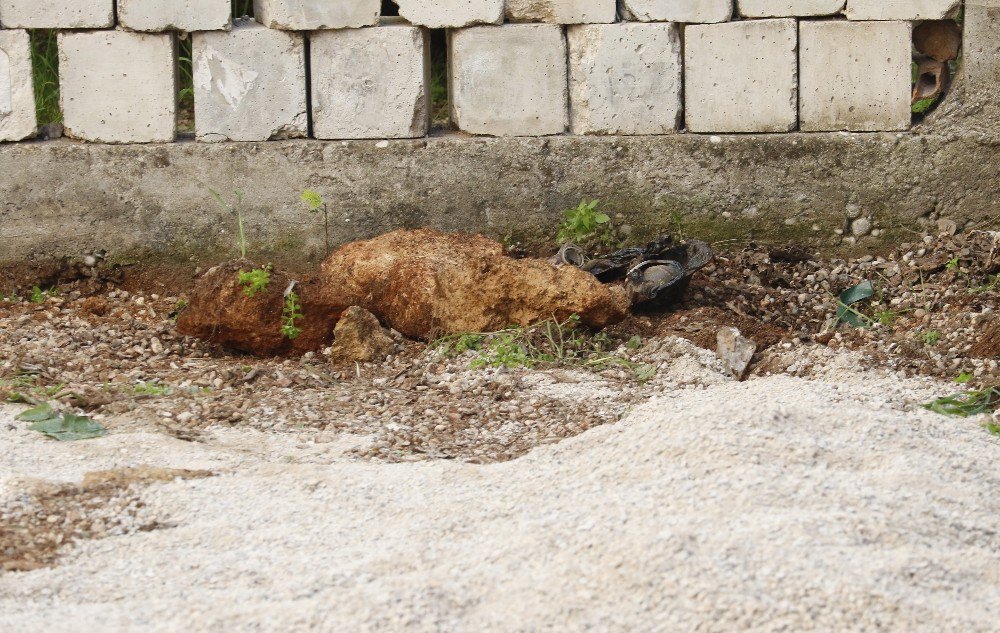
(516, 67)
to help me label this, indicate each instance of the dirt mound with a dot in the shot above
(222, 311)
(425, 283)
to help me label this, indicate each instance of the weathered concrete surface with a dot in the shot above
(118, 86)
(562, 11)
(311, 15)
(625, 78)
(902, 9)
(741, 76)
(177, 15)
(509, 80)
(57, 14)
(438, 14)
(688, 11)
(152, 203)
(788, 8)
(17, 96)
(854, 75)
(371, 83)
(249, 84)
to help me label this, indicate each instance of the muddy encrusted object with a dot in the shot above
(422, 283)
(425, 283)
(221, 311)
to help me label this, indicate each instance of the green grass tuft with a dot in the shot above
(45, 68)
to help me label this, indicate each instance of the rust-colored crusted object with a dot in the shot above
(425, 283)
(220, 311)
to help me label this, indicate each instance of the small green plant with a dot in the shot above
(992, 283)
(992, 428)
(255, 281)
(678, 222)
(553, 342)
(39, 296)
(176, 312)
(315, 203)
(584, 223)
(967, 403)
(236, 209)
(930, 337)
(290, 313)
(886, 318)
(963, 378)
(152, 389)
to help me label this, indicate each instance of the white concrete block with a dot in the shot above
(624, 78)
(438, 14)
(118, 87)
(741, 76)
(562, 11)
(855, 75)
(371, 83)
(57, 14)
(312, 15)
(788, 8)
(175, 15)
(902, 9)
(249, 84)
(687, 11)
(509, 80)
(17, 94)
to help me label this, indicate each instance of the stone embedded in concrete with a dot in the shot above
(311, 15)
(17, 95)
(741, 76)
(118, 87)
(249, 84)
(371, 83)
(624, 78)
(687, 11)
(437, 14)
(562, 11)
(509, 80)
(57, 14)
(176, 15)
(854, 75)
(789, 8)
(902, 9)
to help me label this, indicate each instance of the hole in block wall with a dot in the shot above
(389, 8)
(440, 112)
(185, 87)
(45, 69)
(242, 8)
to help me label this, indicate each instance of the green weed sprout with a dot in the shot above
(255, 281)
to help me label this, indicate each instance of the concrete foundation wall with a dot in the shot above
(65, 198)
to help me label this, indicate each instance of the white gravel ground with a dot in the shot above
(780, 504)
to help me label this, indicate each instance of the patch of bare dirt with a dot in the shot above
(38, 525)
(117, 355)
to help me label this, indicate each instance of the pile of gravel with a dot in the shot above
(776, 504)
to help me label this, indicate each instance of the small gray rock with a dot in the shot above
(735, 351)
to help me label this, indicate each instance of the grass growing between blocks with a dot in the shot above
(45, 68)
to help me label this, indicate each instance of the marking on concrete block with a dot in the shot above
(232, 80)
(6, 86)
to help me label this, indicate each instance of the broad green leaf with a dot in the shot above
(39, 413)
(860, 292)
(854, 294)
(69, 427)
